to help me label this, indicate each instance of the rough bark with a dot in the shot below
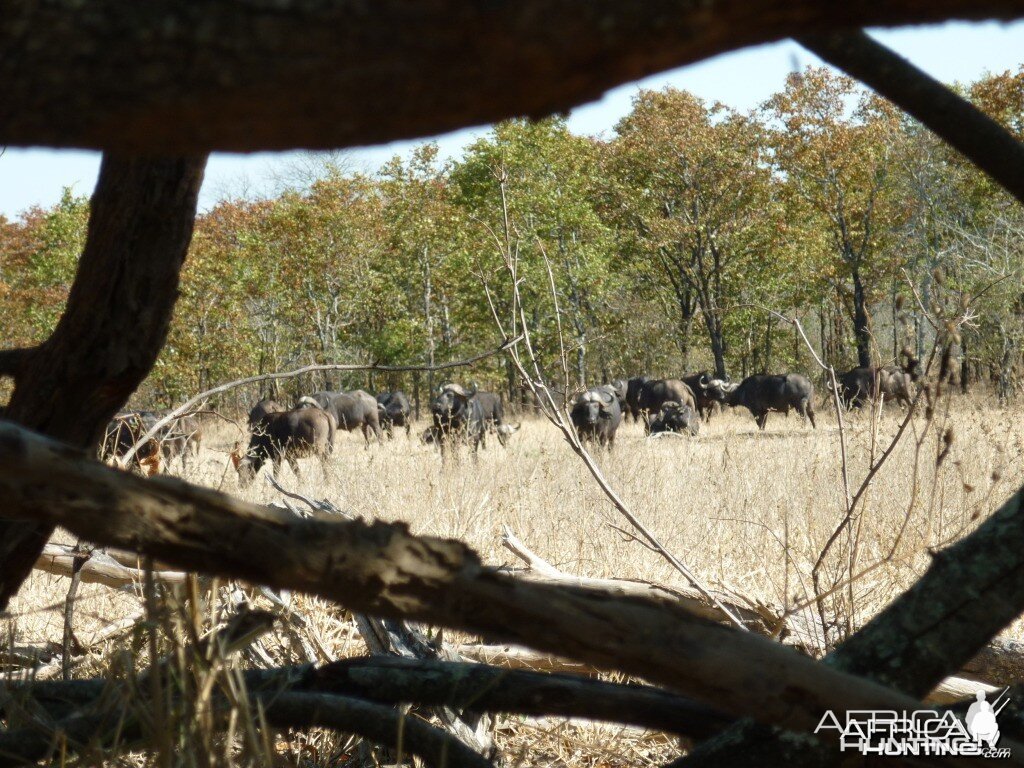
(861, 324)
(190, 75)
(114, 324)
(382, 569)
(981, 139)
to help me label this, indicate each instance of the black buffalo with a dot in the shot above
(656, 392)
(674, 417)
(893, 382)
(467, 415)
(394, 410)
(262, 408)
(763, 393)
(631, 396)
(596, 415)
(351, 410)
(707, 391)
(287, 436)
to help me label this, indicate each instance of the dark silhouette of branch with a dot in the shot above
(197, 75)
(461, 686)
(114, 324)
(981, 139)
(13, 360)
(378, 723)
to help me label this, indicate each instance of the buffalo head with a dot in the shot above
(451, 401)
(594, 405)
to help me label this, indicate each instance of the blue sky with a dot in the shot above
(743, 80)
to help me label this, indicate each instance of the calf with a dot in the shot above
(674, 417)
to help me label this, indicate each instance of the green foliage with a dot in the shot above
(665, 248)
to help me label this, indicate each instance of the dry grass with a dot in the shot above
(746, 511)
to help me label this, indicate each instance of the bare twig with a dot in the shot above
(558, 415)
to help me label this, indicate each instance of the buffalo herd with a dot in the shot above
(283, 434)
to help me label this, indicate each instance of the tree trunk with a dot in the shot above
(114, 325)
(717, 348)
(861, 324)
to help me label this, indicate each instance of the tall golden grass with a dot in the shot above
(747, 511)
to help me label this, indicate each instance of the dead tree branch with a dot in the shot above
(432, 683)
(173, 76)
(101, 568)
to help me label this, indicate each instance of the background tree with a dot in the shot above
(698, 205)
(837, 149)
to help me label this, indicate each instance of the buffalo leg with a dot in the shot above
(294, 464)
(807, 409)
(762, 419)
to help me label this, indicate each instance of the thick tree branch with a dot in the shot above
(461, 686)
(193, 75)
(13, 360)
(114, 324)
(285, 709)
(981, 139)
(971, 591)
(382, 569)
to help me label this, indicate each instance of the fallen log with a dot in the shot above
(100, 568)
(463, 687)
(798, 630)
(1000, 662)
(396, 638)
(518, 657)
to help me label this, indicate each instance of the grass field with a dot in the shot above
(746, 511)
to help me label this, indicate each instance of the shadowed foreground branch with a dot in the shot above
(382, 569)
(462, 686)
(375, 722)
(188, 75)
(114, 324)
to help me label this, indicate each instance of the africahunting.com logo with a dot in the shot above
(924, 732)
